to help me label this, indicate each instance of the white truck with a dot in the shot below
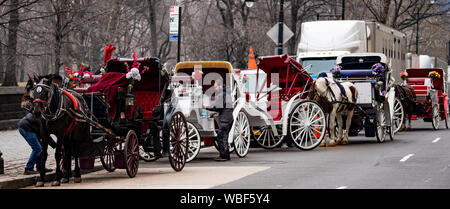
(323, 41)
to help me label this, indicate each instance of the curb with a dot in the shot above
(31, 180)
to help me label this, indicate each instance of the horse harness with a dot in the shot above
(344, 100)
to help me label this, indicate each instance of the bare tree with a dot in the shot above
(13, 25)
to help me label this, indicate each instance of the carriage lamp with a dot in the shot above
(2, 164)
(129, 100)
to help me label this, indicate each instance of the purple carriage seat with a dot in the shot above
(356, 73)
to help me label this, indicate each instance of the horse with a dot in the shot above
(53, 107)
(336, 98)
(407, 96)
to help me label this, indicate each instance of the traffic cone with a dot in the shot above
(252, 60)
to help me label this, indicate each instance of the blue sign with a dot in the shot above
(173, 38)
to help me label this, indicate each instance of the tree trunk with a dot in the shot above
(385, 13)
(294, 19)
(153, 32)
(2, 72)
(114, 18)
(10, 74)
(58, 41)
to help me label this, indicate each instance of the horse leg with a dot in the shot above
(77, 171)
(43, 159)
(325, 138)
(349, 123)
(332, 126)
(67, 163)
(340, 127)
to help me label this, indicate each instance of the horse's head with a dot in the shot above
(319, 89)
(27, 100)
(42, 95)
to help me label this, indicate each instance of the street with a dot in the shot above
(418, 159)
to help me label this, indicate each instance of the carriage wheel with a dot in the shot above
(436, 118)
(194, 142)
(131, 154)
(266, 138)
(179, 142)
(381, 127)
(447, 120)
(399, 115)
(146, 156)
(242, 135)
(108, 158)
(307, 125)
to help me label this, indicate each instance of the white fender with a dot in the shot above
(287, 111)
(391, 101)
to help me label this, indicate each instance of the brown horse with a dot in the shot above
(52, 106)
(407, 97)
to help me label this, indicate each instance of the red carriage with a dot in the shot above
(431, 95)
(130, 117)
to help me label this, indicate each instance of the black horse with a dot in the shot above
(54, 107)
(407, 97)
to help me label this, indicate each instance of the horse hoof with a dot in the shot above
(332, 144)
(77, 180)
(40, 184)
(56, 183)
(344, 142)
(64, 180)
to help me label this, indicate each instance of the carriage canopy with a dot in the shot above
(292, 77)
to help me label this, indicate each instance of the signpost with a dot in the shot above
(274, 35)
(175, 28)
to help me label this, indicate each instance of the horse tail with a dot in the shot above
(355, 95)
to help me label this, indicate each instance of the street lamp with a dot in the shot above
(250, 3)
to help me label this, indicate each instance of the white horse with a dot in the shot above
(331, 96)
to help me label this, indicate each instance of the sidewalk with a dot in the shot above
(16, 152)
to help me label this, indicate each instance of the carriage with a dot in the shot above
(371, 75)
(280, 108)
(128, 116)
(431, 95)
(192, 84)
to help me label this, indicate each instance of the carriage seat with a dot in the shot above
(354, 73)
(147, 101)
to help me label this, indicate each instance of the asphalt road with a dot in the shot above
(418, 159)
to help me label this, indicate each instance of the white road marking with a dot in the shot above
(436, 140)
(406, 157)
(342, 187)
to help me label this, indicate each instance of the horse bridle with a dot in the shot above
(52, 116)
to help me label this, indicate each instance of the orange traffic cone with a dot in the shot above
(252, 60)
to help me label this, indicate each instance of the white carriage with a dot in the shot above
(192, 83)
(376, 99)
(277, 107)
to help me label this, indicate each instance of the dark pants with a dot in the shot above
(225, 125)
(36, 147)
